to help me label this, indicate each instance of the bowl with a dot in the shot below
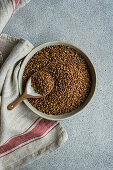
(92, 72)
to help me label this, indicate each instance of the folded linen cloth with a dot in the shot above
(24, 136)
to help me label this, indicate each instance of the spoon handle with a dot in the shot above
(17, 101)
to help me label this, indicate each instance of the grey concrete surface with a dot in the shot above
(89, 25)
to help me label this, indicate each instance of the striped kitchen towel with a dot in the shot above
(24, 136)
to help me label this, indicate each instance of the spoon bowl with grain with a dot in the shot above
(38, 85)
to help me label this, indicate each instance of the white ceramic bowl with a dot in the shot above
(92, 71)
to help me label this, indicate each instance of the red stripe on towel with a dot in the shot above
(16, 2)
(23, 132)
(29, 142)
(42, 126)
(12, 4)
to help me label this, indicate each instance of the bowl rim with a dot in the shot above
(21, 71)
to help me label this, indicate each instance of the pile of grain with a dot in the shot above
(42, 82)
(72, 81)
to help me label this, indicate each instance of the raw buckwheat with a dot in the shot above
(42, 82)
(71, 75)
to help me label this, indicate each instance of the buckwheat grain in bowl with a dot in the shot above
(71, 75)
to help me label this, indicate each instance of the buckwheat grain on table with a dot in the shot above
(71, 75)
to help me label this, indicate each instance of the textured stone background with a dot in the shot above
(89, 25)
